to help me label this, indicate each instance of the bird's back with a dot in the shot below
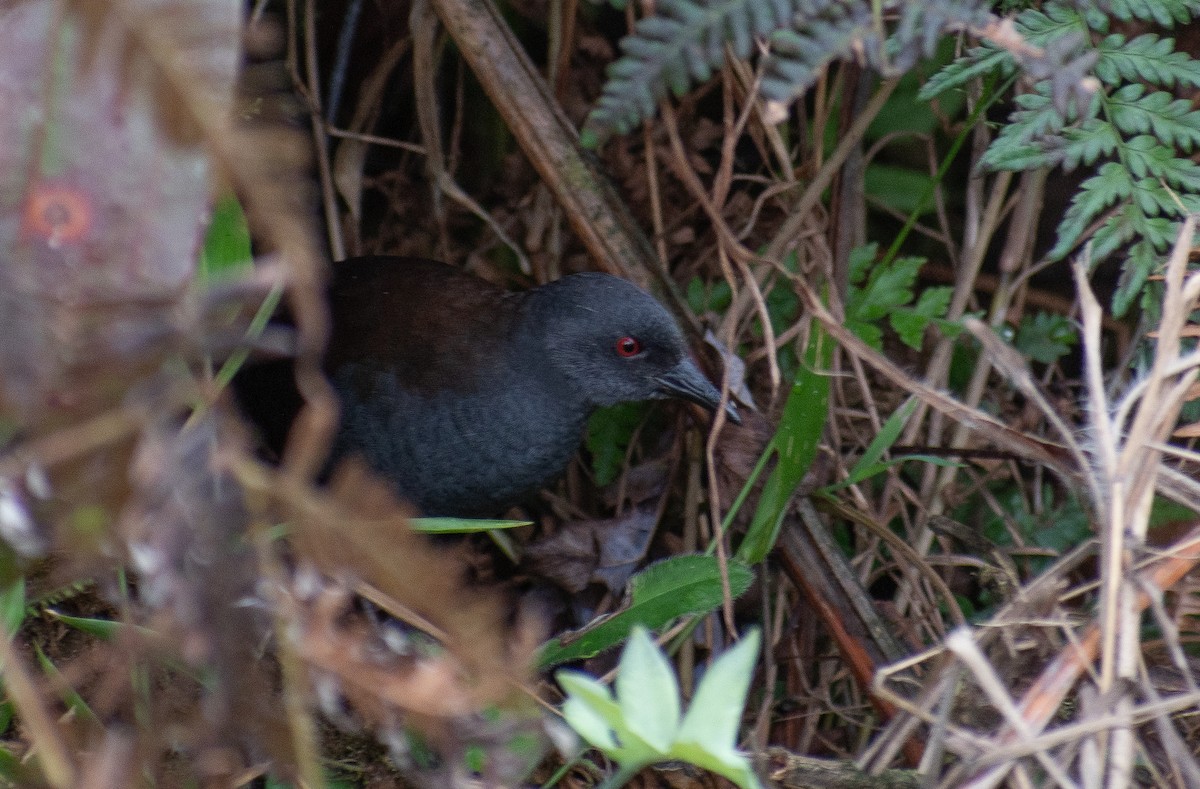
(430, 323)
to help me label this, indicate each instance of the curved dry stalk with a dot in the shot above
(48, 743)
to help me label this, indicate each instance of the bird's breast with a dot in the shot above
(459, 452)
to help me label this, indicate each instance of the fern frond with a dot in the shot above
(978, 62)
(922, 25)
(799, 54)
(1137, 197)
(680, 44)
(1147, 57)
(1171, 120)
(1167, 13)
(683, 42)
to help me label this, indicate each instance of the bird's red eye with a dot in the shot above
(628, 346)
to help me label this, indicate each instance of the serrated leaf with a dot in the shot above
(1169, 119)
(1111, 184)
(1163, 12)
(1046, 337)
(675, 587)
(1147, 57)
(910, 322)
(888, 287)
(978, 62)
(1141, 261)
(671, 50)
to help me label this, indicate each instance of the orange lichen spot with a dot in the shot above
(61, 214)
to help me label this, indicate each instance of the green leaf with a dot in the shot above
(105, 629)
(795, 445)
(910, 323)
(14, 771)
(899, 188)
(226, 252)
(66, 693)
(462, 525)
(12, 606)
(647, 691)
(590, 709)
(1163, 12)
(715, 714)
(978, 62)
(1147, 57)
(708, 735)
(1046, 337)
(884, 439)
(675, 587)
(1111, 184)
(1171, 120)
(888, 287)
(608, 434)
(642, 726)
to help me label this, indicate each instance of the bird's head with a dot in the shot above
(615, 343)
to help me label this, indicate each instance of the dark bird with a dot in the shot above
(466, 396)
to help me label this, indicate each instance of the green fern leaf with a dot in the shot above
(1148, 58)
(671, 50)
(1037, 27)
(978, 62)
(1086, 143)
(798, 55)
(1170, 119)
(1141, 260)
(1107, 187)
(1008, 152)
(1167, 13)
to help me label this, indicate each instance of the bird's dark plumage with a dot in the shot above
(467, 396)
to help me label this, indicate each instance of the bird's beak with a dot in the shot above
(686, 381)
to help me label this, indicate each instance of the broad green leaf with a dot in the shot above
(733, 765)
(647, 691)
(599, 715)
(675, 587)
(795, 444)
(715, 715)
